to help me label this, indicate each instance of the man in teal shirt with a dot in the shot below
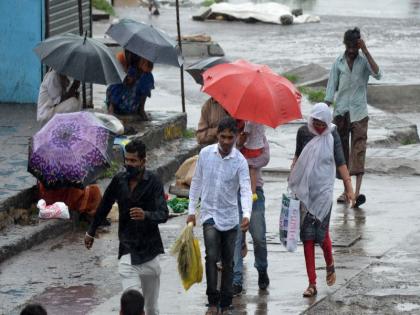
(348, 81)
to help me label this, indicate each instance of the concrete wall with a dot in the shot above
(21, 27)
(395, 98)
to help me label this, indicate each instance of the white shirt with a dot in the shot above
(217, 181)
(256, 134)
(49, 95)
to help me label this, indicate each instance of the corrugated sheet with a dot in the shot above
(63, 17)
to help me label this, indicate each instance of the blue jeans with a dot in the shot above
(257, 229)
(220, 245)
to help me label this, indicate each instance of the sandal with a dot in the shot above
(361, 199)
(342, 198)
(331, 276)
(311, 291)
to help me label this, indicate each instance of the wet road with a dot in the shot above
(60, 272)
(394, 42)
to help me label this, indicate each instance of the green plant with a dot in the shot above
(291, 77)
(207, 3)
(314, 95)
(178, 205)
(104, 6)
(189, 133)
(111, 170)
(408, 141)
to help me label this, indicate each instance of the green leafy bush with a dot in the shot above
(104, 6)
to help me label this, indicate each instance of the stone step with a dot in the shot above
(18, 191)
(163, 126)
(163, 160)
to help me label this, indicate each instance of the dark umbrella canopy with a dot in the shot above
(196, 69)
(71, 150)
(82, 58)
(146, 41)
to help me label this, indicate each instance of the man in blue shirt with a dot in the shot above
(348, 81)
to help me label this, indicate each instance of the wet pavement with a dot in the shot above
(17, 125)
(60, 272)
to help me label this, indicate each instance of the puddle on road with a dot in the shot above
(407, 290)
(68, 300)
(407, 307)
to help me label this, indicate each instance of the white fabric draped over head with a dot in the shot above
(312, 177)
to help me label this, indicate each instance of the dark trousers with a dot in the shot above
(354, 148)
(219, 245)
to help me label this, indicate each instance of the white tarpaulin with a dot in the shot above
(269, 12)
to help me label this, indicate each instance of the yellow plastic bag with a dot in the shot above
(187, 248)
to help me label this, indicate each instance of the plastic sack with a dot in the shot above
(289, 224)
(186, 171)
(190, 267)
(57, 210)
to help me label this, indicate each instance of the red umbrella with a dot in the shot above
(253, 92)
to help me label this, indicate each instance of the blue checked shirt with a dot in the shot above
(350, 87)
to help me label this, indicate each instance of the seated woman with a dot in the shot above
(56, 95)
(84, 201)
(130, 96)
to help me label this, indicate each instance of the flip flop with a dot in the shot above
(331, 277)
(361, 199)
(311, 291)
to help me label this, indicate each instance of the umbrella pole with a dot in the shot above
(80, 11)
(180, 48)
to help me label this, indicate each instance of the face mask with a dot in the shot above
(134, 171)
(319, 130)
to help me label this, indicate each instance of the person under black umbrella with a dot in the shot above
(129, 97)
(55, 96)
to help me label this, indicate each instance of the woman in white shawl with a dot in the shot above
(54, 97)
(318, 155)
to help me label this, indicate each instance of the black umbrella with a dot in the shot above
(82, 58)
(196, 69)
(146, 41)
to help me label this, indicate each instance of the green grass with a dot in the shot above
(208, 3)
(408, 141)
(189, 133)
(291, 77)
(104, 6)
(314, 95)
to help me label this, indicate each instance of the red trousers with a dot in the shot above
(309, 249)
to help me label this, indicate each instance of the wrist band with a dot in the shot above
(254, 197)
(89, 235)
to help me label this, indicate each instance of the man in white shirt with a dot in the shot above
(221, 172)
(54, 97)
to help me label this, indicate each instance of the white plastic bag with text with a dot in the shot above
(57, 210)
(289, 224)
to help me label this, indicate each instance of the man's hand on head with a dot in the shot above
(362, 45)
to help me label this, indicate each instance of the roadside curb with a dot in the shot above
(17, 238)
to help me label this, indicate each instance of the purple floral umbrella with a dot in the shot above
(71, 150)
